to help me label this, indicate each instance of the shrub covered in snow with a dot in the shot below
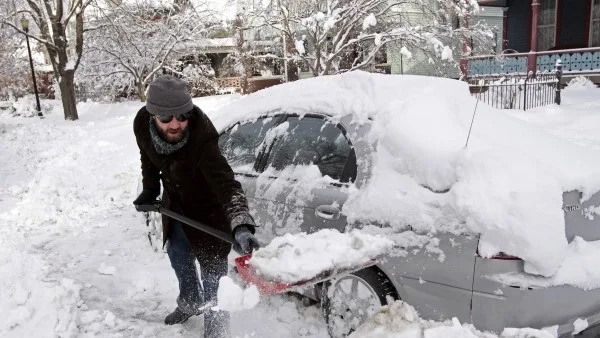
(26, 107)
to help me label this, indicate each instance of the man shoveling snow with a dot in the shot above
(179, 145)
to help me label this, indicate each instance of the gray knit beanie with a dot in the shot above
(168, 95)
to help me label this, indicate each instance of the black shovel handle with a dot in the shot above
(195, 224)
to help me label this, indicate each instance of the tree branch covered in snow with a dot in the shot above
(332, 36)
(135, 40)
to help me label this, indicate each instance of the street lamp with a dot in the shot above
(25, 26)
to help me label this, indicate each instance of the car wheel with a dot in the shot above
(348, 301)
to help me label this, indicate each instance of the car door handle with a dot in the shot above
(327, 212)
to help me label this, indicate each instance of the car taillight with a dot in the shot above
(501, 256)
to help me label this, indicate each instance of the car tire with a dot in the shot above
(344, 310)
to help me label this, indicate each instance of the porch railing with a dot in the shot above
(584, 60)
(497, 65)
(575, 61)
(517, 91)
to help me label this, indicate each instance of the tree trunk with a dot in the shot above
(141, 90)
(293, 71)
(292, 66)
(67, 92)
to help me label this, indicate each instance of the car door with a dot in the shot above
(242, 145)
(437, 279)
(307, 171)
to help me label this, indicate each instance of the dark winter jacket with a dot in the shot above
(198, 182)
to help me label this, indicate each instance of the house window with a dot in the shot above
(546, 25)
(595, 24)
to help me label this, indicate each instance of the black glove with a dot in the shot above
(243, 240)
(146, 200)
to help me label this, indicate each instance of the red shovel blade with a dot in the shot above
(251, 277)
(267, 287)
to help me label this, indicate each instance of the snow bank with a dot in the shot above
(579, 83)
(25, 107)
(51, 307)
(400, 320)
(506, 185)
(299, 257)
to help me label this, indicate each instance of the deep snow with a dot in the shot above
(400, 320)
(75, 258)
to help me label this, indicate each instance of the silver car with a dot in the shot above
(458, 286)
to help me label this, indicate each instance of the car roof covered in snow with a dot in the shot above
(359, 94)
(422, 121)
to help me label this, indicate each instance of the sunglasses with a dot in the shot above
(180, 117)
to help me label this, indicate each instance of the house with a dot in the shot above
(537, 33)
(415, 62)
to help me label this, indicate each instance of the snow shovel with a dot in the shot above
(246, 271)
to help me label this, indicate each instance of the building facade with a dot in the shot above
(537, 33)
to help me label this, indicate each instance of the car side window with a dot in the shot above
(240, 144)
(314, 140)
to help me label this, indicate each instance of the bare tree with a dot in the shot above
(59, 28)
(133, 40)
(331, 36)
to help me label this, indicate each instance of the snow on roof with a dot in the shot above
(506, 185)
(219, 45)
(216, 42)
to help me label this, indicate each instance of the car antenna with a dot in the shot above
(473, 118)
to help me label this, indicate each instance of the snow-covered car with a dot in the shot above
(498, 232)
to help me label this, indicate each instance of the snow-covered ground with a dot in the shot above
(74, 255)
(75, 259)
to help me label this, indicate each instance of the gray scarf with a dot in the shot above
(163, 147)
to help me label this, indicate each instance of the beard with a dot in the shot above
(172, 135)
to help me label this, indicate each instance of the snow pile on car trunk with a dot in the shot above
(506, 185)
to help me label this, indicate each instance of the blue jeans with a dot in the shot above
(191, 294)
